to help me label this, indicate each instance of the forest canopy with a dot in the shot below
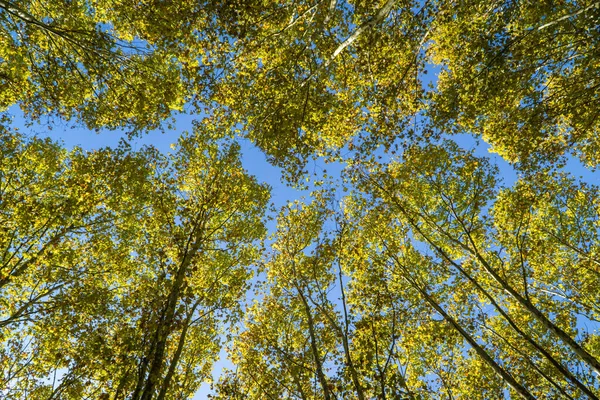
(417, 268)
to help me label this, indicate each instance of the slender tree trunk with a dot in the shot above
(524, 301)
(176, 356)
(164, 328)
(533, 365)
(314, 348)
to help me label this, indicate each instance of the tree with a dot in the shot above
(522, 75)
(106, 64)
(58, 210)
(164, 271)
(440, 194)
(287, 347)
(309, 78)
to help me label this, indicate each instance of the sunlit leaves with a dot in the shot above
(418, 276)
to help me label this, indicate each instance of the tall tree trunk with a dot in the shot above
(156, 362)
(314, 348)
(176, 356)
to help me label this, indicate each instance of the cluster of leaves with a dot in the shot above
(414, 275)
